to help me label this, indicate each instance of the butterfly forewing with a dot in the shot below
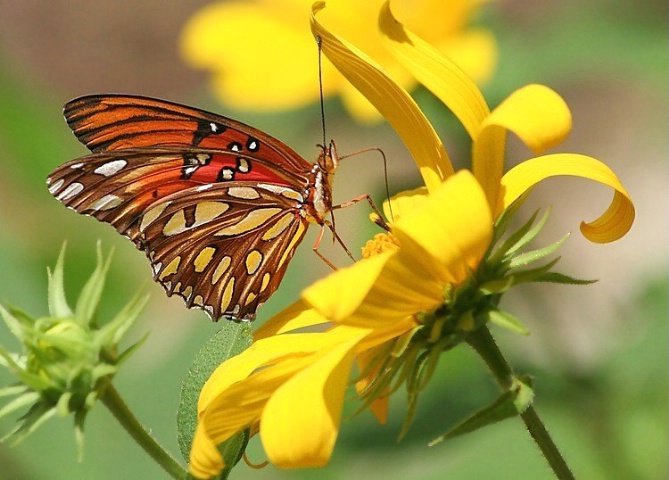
(115, 122)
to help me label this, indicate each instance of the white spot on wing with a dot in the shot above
(77, 166)
(110, 168)
(105, 203)
(202, 188)
(56, 186)
(70, 191)
(214, 127)
(283, 191)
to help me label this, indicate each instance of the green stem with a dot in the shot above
(113, 401)
(484, 344)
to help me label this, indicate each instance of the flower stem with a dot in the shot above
(484, 344)
(113, 401)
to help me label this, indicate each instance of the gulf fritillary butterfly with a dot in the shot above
(218, 207)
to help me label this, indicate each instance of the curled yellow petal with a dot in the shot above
(392, 101)
(439, 74)
(536, 114)
(610, 226)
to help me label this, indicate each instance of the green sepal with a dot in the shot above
(504, 220)
(90, 295)
(556, 277)
(58, 306)
(509, 404)
(506, 320)
(532, 274)
(37, 414)
(536, 255)
(228, 342)
(512, 242)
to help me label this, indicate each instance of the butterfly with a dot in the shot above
(218, 207)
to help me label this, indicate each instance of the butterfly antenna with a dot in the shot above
(319, 42)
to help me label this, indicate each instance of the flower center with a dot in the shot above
(381, 243)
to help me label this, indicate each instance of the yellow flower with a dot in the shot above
(419, 291)
(262, 55)
(292, 380)
(535, 113)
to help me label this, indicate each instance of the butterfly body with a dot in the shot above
(217, 206)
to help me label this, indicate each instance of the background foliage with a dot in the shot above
(598, 354)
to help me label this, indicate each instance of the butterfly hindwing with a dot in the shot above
(223, 249)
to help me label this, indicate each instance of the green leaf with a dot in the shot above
(508, 321)
(509, 404)
(230, 341)
(89, 298)
(535, 255)
(58, 306)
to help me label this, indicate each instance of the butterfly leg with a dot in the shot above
(379, 216)
(317, 244)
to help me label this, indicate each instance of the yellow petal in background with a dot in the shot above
(301, 420)
(437, 73)
(536, 114)
(610, 226)
(392, 101)
(244, 43)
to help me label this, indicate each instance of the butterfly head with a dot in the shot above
(328, 160)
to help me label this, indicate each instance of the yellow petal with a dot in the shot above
(536, 114)
(296, 316)
(235, 408)
(259, 354)
(439, 74)
(453, 227)
(610, 226)
(392, 101)
(231, 39)
(339, 294)
(404, 203)
(300, 422)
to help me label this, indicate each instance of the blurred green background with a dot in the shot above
(598, 354)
